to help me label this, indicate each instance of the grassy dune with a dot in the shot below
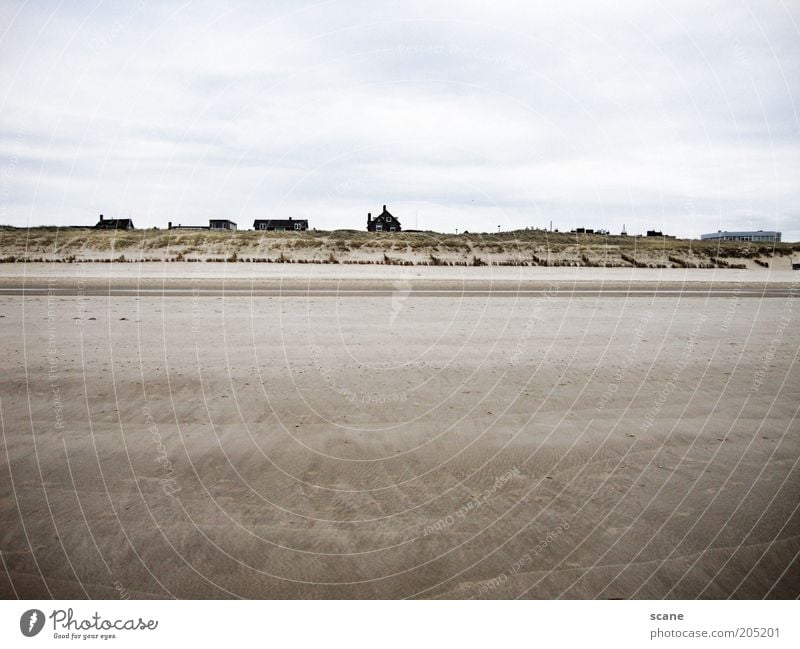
(517, 248)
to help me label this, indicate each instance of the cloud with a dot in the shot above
(677, 117)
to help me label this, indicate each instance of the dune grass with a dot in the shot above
(521, 247)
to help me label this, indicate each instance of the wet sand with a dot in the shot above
(402, 444)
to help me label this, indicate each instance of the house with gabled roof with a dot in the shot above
(114, 224)
(384, 222)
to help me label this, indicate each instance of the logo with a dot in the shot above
(31, 622)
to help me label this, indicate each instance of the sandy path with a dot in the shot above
(174, 271)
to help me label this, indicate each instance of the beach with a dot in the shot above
(330, 431)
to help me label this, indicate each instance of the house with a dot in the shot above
(384, 222)
(213, 224)
(659, 233)
(185, 227)
(280, 224)
(221, 224)
(760, 235)
(114, 224)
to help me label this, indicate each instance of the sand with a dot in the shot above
(399, 445)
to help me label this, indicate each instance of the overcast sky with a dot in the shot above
(676, 116)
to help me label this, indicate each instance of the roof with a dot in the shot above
(280, 221)
(118, 224)
(383, 215)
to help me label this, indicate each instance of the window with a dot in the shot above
(297, 226)
(262, 226)
(391, 229)
(378, 227)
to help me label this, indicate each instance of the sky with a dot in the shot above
(676, 116)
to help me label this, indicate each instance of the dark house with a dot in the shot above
(384, 222)
(221, 224)
(185, 227)
(658, 233)
(280, 224)
(213, 224)
(114, 224)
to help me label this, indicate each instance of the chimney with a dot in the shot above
(290, 219)
(369, 218)
(101, 217)
(384, 208)
(169, 225)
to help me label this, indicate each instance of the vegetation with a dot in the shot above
(518, 248)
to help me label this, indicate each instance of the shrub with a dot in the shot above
(632, 261)
(681, 263)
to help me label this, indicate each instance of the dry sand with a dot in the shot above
(400, 445)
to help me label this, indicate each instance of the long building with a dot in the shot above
(280, 224)
(757, 235)
(213, 224)
(114, 224)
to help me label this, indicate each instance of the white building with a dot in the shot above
(758, 235)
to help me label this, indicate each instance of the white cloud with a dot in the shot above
(681, 117)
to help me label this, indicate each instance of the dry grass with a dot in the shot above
(522, 247)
